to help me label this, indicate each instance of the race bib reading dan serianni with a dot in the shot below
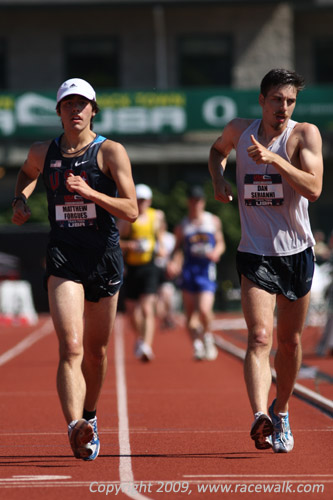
(263, 190)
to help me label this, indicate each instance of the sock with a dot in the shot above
(72, 424)
(257, 415)
(88, 415)
(282, 414)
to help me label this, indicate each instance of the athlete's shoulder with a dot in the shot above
(155, 213)
(211, 219)
(40, 146)
(306, 132)
(238, 125)
(113, 150)
(306, 127)
(37, 153)
(109, 144)
(211, 215)
(231, 134)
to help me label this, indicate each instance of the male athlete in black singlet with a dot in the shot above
(88, 181)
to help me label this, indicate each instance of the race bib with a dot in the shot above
(76, 214)
(263, 190)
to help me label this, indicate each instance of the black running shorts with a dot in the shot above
(101, 273)
(291, 275)
(141, 280)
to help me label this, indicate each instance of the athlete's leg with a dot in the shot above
(205, 306)
(99, 322)
(164, 306)
(66, 301)
(291, 317)
(258, 308)
(147, 308)
(190, 303)
(134, 314)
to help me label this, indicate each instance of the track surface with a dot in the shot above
(171, 427)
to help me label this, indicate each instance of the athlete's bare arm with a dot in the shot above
(113, 160)
(220, 246)
(175, 263)
(27, 180)
(218, 156)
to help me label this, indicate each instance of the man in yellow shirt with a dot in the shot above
(138, 242)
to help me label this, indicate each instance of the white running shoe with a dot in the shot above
(143, 351)
(199, 351)
(210, 347)
(81, 433)
(261, 431)
(137, 348)
(94, 444)
(283, 440)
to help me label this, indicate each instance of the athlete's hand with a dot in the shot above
(173, 269)
(213, 255)
(222, 190)
(21, 213)
(75, 183)
(259, 153)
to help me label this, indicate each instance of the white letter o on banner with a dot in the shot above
(219, 110)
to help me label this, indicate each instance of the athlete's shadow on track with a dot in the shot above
(213, 455)
(52, 461)
(36, 461)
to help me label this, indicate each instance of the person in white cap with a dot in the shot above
(138, 241)
(88, 181)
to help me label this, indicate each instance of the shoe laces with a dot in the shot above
(283, 425)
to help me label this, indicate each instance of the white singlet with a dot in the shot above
(274, 217)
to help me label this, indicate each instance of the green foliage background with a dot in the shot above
(38, 206)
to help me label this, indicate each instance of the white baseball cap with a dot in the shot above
(143, 192)
(76, 86)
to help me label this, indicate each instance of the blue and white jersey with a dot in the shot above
(199, 238)
(199, 272)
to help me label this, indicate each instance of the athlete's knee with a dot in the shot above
(259, 338)
(95, 356)
(148, 307)
(70, 350)
(289, 346)
(205, 319)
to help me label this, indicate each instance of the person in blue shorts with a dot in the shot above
(88, 181)
(199, 246)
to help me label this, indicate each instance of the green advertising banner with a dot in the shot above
(143, 113)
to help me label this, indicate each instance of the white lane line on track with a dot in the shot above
(35, 478)
(30, 481)
(191, 480)
(259, 476)
(125, 463)
(31, 339)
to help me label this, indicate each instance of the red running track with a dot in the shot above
(168, 429)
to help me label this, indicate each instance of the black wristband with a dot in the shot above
(21, 197)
